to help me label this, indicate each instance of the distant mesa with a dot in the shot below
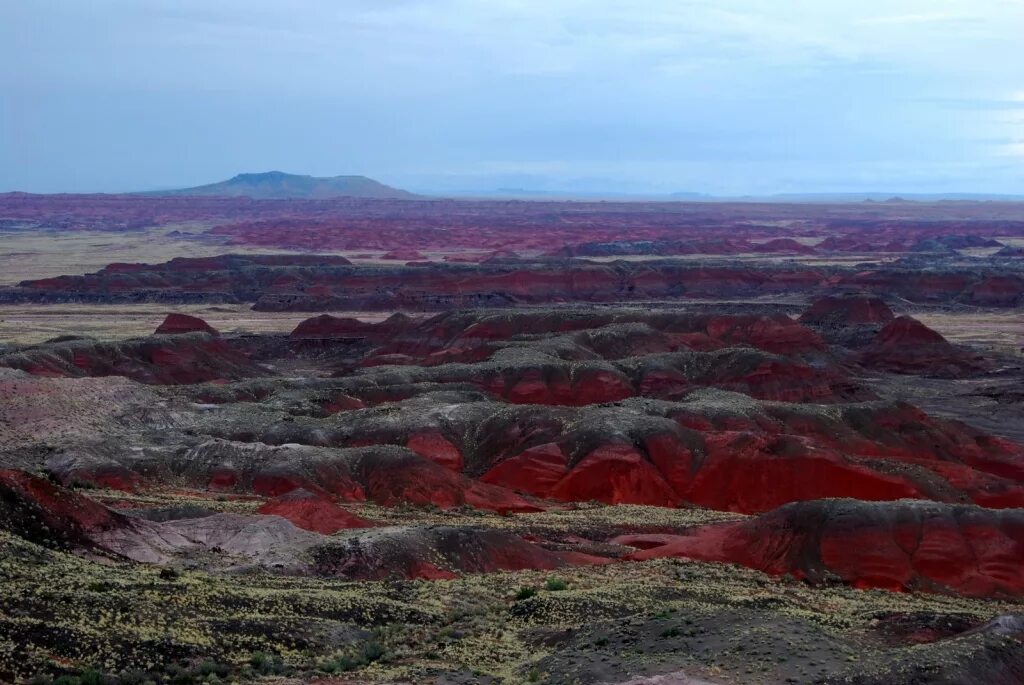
(277, 185)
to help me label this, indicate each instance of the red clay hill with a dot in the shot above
(905, 345)
(896, 546)
(175, 324)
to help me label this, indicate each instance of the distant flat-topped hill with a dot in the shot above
(274, 185)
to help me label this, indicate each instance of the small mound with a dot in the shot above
(176, 324)
(327, 326)
(905, 345)
(784, 245)
(848, 310)
(313, 512)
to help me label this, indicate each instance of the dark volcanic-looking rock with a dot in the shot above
(895, 545)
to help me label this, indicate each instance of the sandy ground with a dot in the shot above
(1002, 331)
(44, 254)
(35, 323)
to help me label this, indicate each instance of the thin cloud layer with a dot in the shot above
(732, 96)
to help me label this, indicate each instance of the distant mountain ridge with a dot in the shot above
(277, 185)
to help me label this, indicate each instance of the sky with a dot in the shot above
(727, 97)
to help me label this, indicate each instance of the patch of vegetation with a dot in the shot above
(525, 592)
(368, 653)
(67, 617)
(556, 585)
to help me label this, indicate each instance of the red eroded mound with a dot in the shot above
(183, 323)
(848, 310)
(727, 452)
(45, 513)
(313, 512)
(436, 448)
(905, 345)
(616, 474)
(327, 326)
(784, 245)
(395, 478)
(903, 545)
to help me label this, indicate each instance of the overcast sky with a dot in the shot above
(719, 96)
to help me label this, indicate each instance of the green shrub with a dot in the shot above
(339, 664)
(259, 660)
(525, 593)
(556, 584)
(372, 651)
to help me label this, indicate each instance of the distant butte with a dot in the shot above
(277, 185)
